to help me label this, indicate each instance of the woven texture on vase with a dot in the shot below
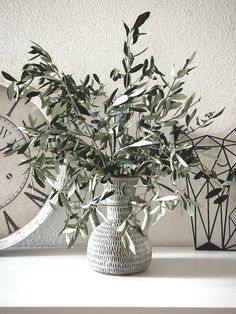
(106, 252)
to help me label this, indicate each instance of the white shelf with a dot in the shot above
(179, 280)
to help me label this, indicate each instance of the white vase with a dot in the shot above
(106, 253)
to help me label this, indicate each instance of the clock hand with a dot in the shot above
(9, 145)
(1, 149)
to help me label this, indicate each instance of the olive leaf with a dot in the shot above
(213, 193)
(141, 20)
(8, 77)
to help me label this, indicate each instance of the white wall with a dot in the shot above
(86, 36)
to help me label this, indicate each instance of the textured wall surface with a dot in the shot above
(86, 36)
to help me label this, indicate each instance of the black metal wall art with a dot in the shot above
(214, 223)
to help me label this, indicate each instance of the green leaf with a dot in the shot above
(113, 141)
(141, 20)
(177, 86)
(156, 217)
(175, 105)
(136, 68)
(170, 123)
(102, 215)
(31, 121)
(128, 243)
(188, 61)
(23, 148)
(137, 92)
(127, 30)
(138, 109)
(141, 143)
(189, 118)
(181, 161)
(194, 203)
(150, 117)
(121, 100)
(167, 198)
(112, 74)
(9, 152)
(221, 199)
(126, 51)
(65, 202)
(131, 243)
(199, 175)
(39, 178)
(96, 78)
(11, 91)
(125, 241)
(181, 73)
(126, 80)
(27, 161)
(213, 193)
(71, 242)
(135, 35)
(190, 210)
(43, 140)
(188, 102)
(8, 77)
(57, 110)
(106, 177)
(178, 96)
(127, 162)
(219, 113)
(32, 94)
(83, 110)
(166, 187)
(112, 97)
(229, 183)
(122, 226)
(86, 80)
(106, 195)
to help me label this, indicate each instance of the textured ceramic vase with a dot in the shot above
(106, 253)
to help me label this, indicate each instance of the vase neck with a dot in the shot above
(118, 205)
(117, 214)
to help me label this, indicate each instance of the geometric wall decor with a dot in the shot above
(214, 223)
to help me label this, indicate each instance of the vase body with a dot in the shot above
(106, 253)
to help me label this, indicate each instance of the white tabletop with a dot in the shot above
(178, 279)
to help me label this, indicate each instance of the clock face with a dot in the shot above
(23, 205)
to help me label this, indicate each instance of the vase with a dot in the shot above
(106, 252)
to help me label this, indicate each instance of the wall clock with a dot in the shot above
(23, 205)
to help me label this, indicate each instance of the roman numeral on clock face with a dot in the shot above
(4, 132)
(11, 225)
(36, 196)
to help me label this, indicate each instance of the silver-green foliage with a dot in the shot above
(93, 142)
